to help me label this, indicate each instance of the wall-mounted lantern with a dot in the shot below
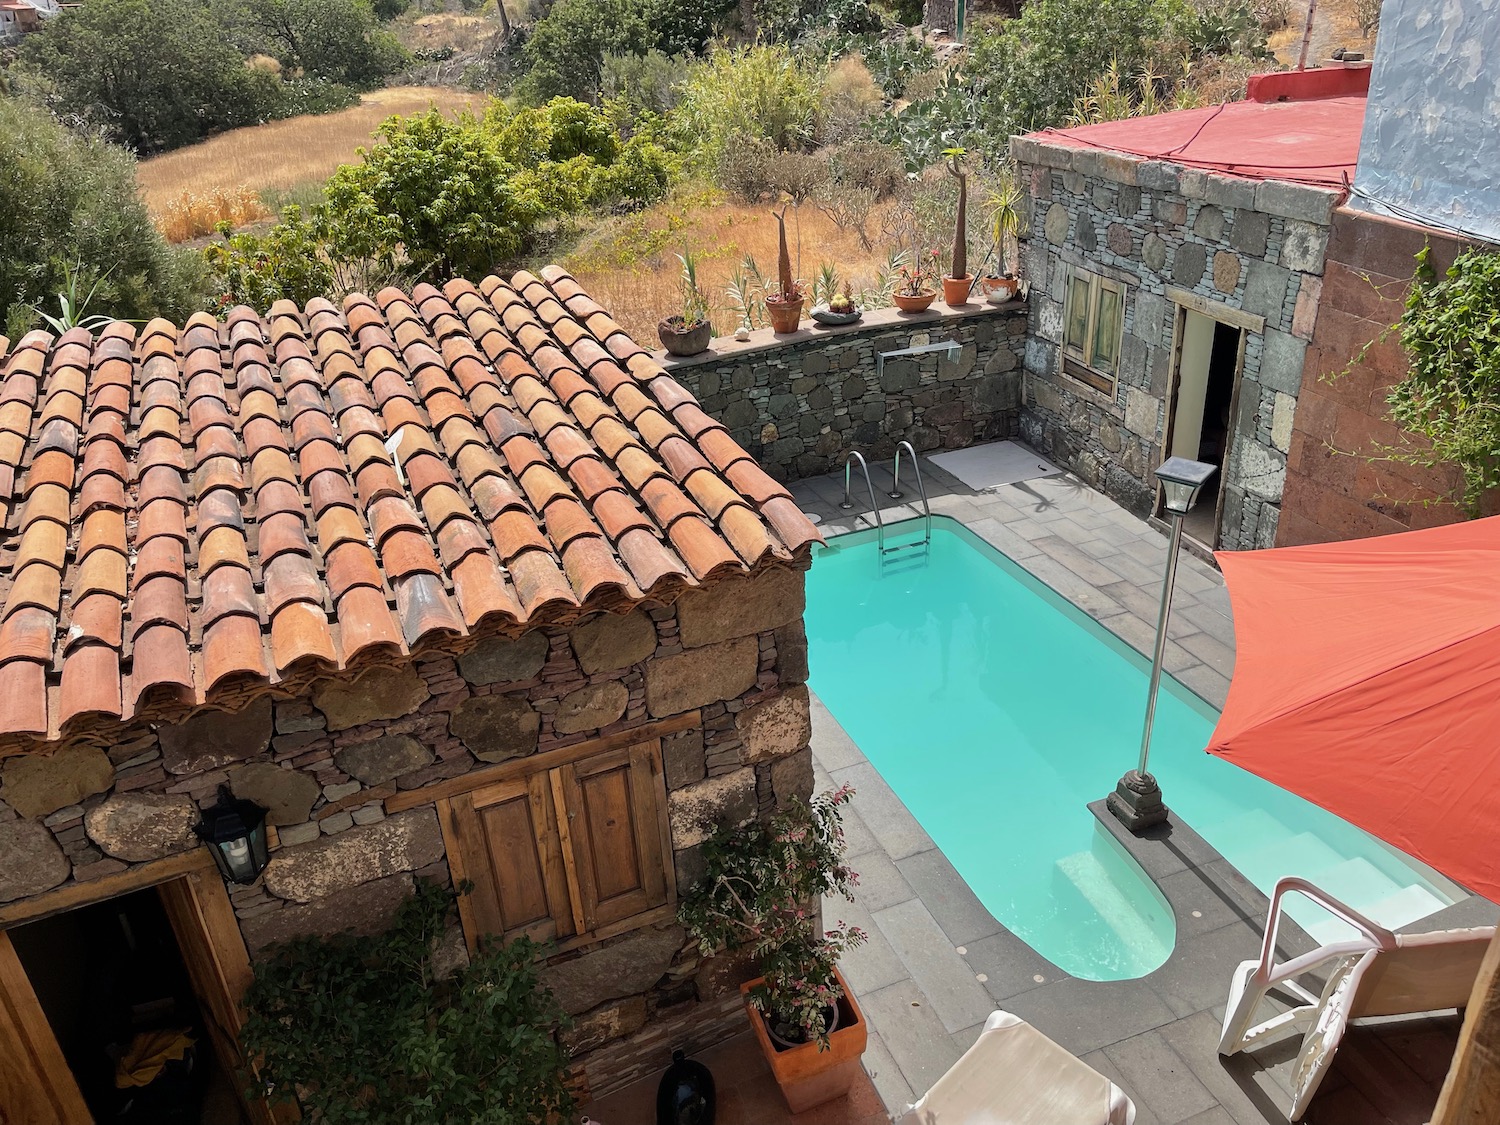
(235, 832)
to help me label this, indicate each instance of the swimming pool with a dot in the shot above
(996, 711)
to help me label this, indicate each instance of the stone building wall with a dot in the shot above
(1338, 485)
(799, 403)
(325, 765)
(1257, 247)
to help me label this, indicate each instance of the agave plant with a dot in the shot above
(694, 303)
(71, 306)
(826, 285)
(746, 291)
(1003, 203)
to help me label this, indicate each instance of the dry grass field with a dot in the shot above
(629, 264)
(278, 156)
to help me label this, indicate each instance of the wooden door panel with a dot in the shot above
(507, 837)
(218, 965)
(36, 1086)
(612, 809)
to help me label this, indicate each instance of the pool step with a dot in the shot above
(1303, 854)
(1100, 888)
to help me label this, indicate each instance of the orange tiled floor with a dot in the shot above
(747, 1095)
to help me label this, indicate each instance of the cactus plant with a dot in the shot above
(961, 221)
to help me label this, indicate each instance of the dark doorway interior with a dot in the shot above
(1213, 442)
(112, 982)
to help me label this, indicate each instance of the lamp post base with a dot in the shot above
(1136, 801)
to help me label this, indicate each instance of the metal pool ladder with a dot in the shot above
(894, 494)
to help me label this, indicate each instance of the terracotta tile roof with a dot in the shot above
(196, 515)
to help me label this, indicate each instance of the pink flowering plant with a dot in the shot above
(761, 891)
(920, 277)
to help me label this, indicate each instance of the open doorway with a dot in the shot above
(117, 994)
(1201, 424)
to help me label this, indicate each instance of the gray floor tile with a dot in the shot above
(832, 747)
(943, 977)
(1201, 905)
(889, 1082)
(1001, 537)
(1144, 1114)
(912, 1032)
(874, 802)
(858, 839)
(1063, 581)
(881, 883)
(963, 918)
(1084, 1015)
(873, 965)
(1076, 560)
(1238, 1083)
(1216, 1116)
(1196, 976)
(1009, 966)
(1211, 651)
(966, 1038)
(1210, 686)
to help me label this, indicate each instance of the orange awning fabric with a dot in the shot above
(1367, 679)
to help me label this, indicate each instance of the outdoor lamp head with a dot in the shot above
(235, 832)
(1180, 481)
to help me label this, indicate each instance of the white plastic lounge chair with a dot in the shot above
(1015, 1075)
(1377, 973)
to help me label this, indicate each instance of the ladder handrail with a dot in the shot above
(916, 469)
(856, 455)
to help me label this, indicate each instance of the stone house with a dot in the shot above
(1176, 265)
(458, 585)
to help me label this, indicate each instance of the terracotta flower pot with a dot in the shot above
(679, 340)
(999, 289)
(785, 315)
(807, 1075)
(907, 302)
(956, 289)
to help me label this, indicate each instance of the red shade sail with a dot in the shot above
(1367, 679)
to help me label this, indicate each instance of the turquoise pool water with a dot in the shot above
(997, 711)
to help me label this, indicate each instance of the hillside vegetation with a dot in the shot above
(617, 135)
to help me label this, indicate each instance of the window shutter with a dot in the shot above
(505, 839)
(616, 829)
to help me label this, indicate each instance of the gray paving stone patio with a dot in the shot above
(937, 962)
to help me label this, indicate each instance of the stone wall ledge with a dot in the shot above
(726, 348)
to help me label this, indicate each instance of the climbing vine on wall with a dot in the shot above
(1451, 395)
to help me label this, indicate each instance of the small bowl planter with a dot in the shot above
(680, 339)
(956, 289)
(824, 315)
(914, 302)
(785, 315)
(807, 1075)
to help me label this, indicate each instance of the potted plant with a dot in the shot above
(958, 281)
(760, 892)
(914, 291)
(784, 306)
(840, 308)
(689, 332)
(1004, 205)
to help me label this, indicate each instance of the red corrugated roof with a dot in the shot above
(1311, 142)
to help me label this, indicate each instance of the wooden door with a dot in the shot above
(218, 966)
(614, 818)
(36, 1086)
(504, 839)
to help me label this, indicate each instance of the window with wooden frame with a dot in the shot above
(568, 852)
(1093, 324)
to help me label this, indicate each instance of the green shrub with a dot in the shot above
(288, 261)
(744, 167)
(69, 203)
(365, 1029)
(760, 91)
(337, 40)
(848, 100)
(151, 74)
(641, 84)
(894, 62)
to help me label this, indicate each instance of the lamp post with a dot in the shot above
(235, 832)
(1136, 801)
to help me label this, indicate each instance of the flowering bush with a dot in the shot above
(760, 892)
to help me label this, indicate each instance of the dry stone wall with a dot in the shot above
(324, 766)
(1256, 247)
(800, 402)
